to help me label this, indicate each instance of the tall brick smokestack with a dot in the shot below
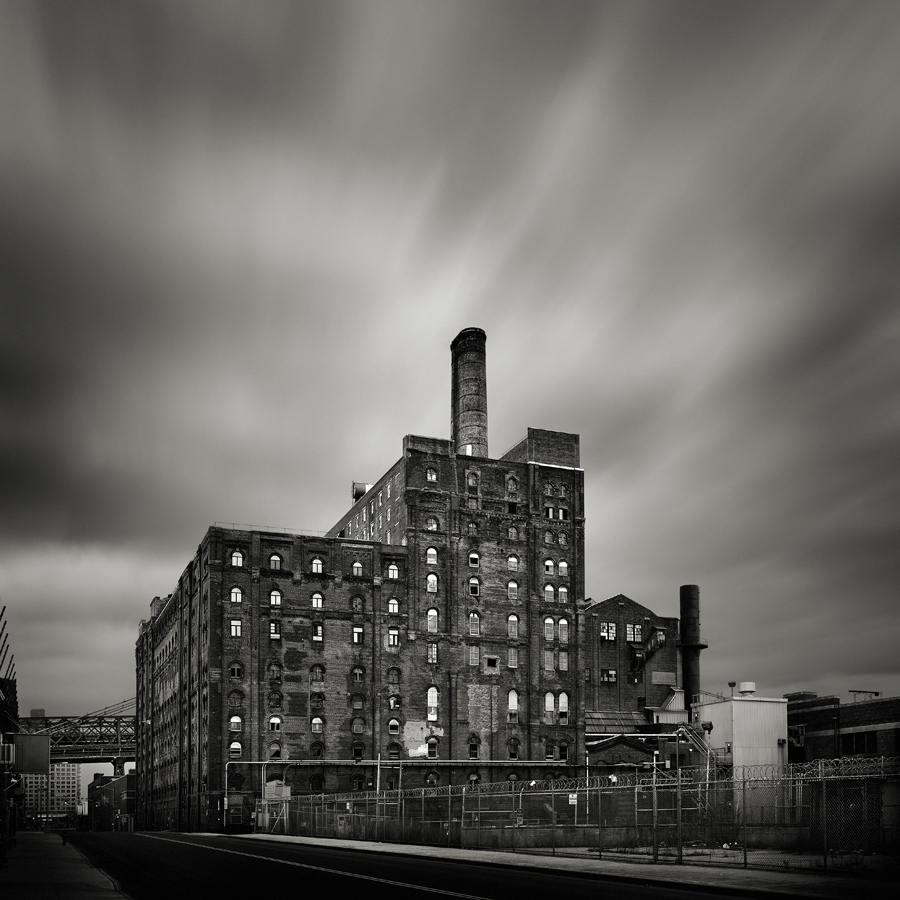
(468, 389)
(691, 645)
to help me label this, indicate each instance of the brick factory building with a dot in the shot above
(429, 638)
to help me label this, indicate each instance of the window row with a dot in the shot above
(633, 633)
(316, 566)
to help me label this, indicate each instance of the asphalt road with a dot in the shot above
(166, 866)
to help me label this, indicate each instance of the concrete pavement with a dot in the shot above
(739, 882)
(41, 866)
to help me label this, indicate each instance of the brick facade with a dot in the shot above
(431, 637)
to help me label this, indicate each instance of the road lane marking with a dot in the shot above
(288, 862)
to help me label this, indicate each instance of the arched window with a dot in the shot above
(317, 701)
(548, 593)
(274, 700)
(431, 474)
(357, 603)
(563, 595)
(474, 624)
(474, 587)
(548, 629)
(431, 556)
(432, 703)
(235, 723)
(431, 583)
(274, 750)
(394, 726)
(235, 698)
(316, 783)
(317, 726)
(548, 566)
(393, 605)
(548, 489)
(549, 706)
(431, 779)
(431, 524)
(356, 568)
(393, 571)
(317, 600)
(358, 674)
(359, 725)
(393, 751)
(432, 754)
(236, 669)
(432, 620)
(474, 560)
(512, 749)
(393, 675)
(512, 563)
(512, 706)
(236, 595)
(316, 566)
(275, 598)
(512, 627)
(472, 480)
(237, 558)
(358, 783)
(512, 486)
(563, 539)
(317, 674)
(563, 631)
(512, 533)
(563, 569)
(563, 748)
(394, 701)
(275, 671)
(357, 701)
(512, 590)
(274, 723)
(274, 561)
(472, 529)
(563, 708)
(317, 750)
(234, 749)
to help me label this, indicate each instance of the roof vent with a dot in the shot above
(746, 688)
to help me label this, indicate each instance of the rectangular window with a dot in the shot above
(379, 498)
(607, 631)
(512, 659)
(563, 660)
(389, 514)
(474, 654)
(548, 660)
(608, 675)
(432, 653)
(634, 633)
(317, 631)
(275, 631)
(357, 634)
(235, 627)
(393, 637)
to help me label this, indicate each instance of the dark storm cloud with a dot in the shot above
(236, 241)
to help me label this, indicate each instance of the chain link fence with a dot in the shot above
(835, 814)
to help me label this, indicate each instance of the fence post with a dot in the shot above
(422, 825)
(824, 815)
(462, 817)
(744, 815)
(678, 817)
(599, 819)
(553, 813)
(478, 820)
(449, 812)
(655, 814)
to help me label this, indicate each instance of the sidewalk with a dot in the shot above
(739, 882)
(41, 866)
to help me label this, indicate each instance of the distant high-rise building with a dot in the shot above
(61, 799)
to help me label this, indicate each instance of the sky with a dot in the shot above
(236, 240)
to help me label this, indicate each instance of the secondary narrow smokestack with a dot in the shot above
(691, 645)
(468, 389)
